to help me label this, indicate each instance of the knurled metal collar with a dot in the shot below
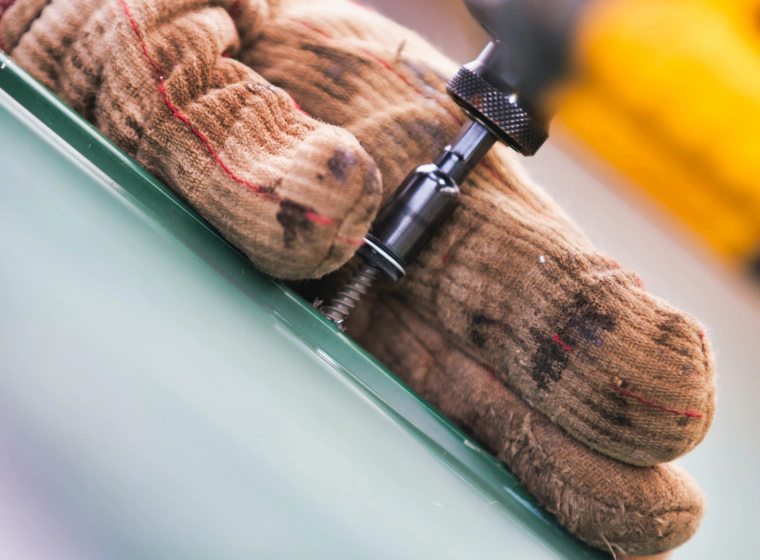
(501, 113)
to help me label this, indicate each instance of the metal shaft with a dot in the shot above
(407, 222)
(343, 303)
(430, 193)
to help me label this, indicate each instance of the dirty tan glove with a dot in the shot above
(548, 352)
(295, 194)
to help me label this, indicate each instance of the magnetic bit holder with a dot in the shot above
(430, 193)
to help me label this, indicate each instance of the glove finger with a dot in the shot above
(509, 278)
(576, 335)
(349, 66)
(610, 505)
(296, 195)
(15, 20)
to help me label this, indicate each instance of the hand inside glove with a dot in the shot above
(511, 323)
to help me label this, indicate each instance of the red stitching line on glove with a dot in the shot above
(558, 340)
(176, 112)
(485, 164)
(299, 108)
(235, 9)
(390, 68)
(316, 30)
(643, 401)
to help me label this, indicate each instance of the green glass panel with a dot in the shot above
(167, 400)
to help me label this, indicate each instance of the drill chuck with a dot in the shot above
(500, 108)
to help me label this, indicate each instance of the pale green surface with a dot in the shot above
(151, 407)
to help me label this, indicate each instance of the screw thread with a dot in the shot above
(353, 290)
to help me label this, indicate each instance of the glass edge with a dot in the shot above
(478, 467)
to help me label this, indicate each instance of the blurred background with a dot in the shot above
(655, 153)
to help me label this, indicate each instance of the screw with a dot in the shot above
(346, 299)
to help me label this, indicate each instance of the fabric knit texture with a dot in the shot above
(612, 505)
(287, 123)
(297, 195)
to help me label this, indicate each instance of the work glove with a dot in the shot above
(287, 123)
